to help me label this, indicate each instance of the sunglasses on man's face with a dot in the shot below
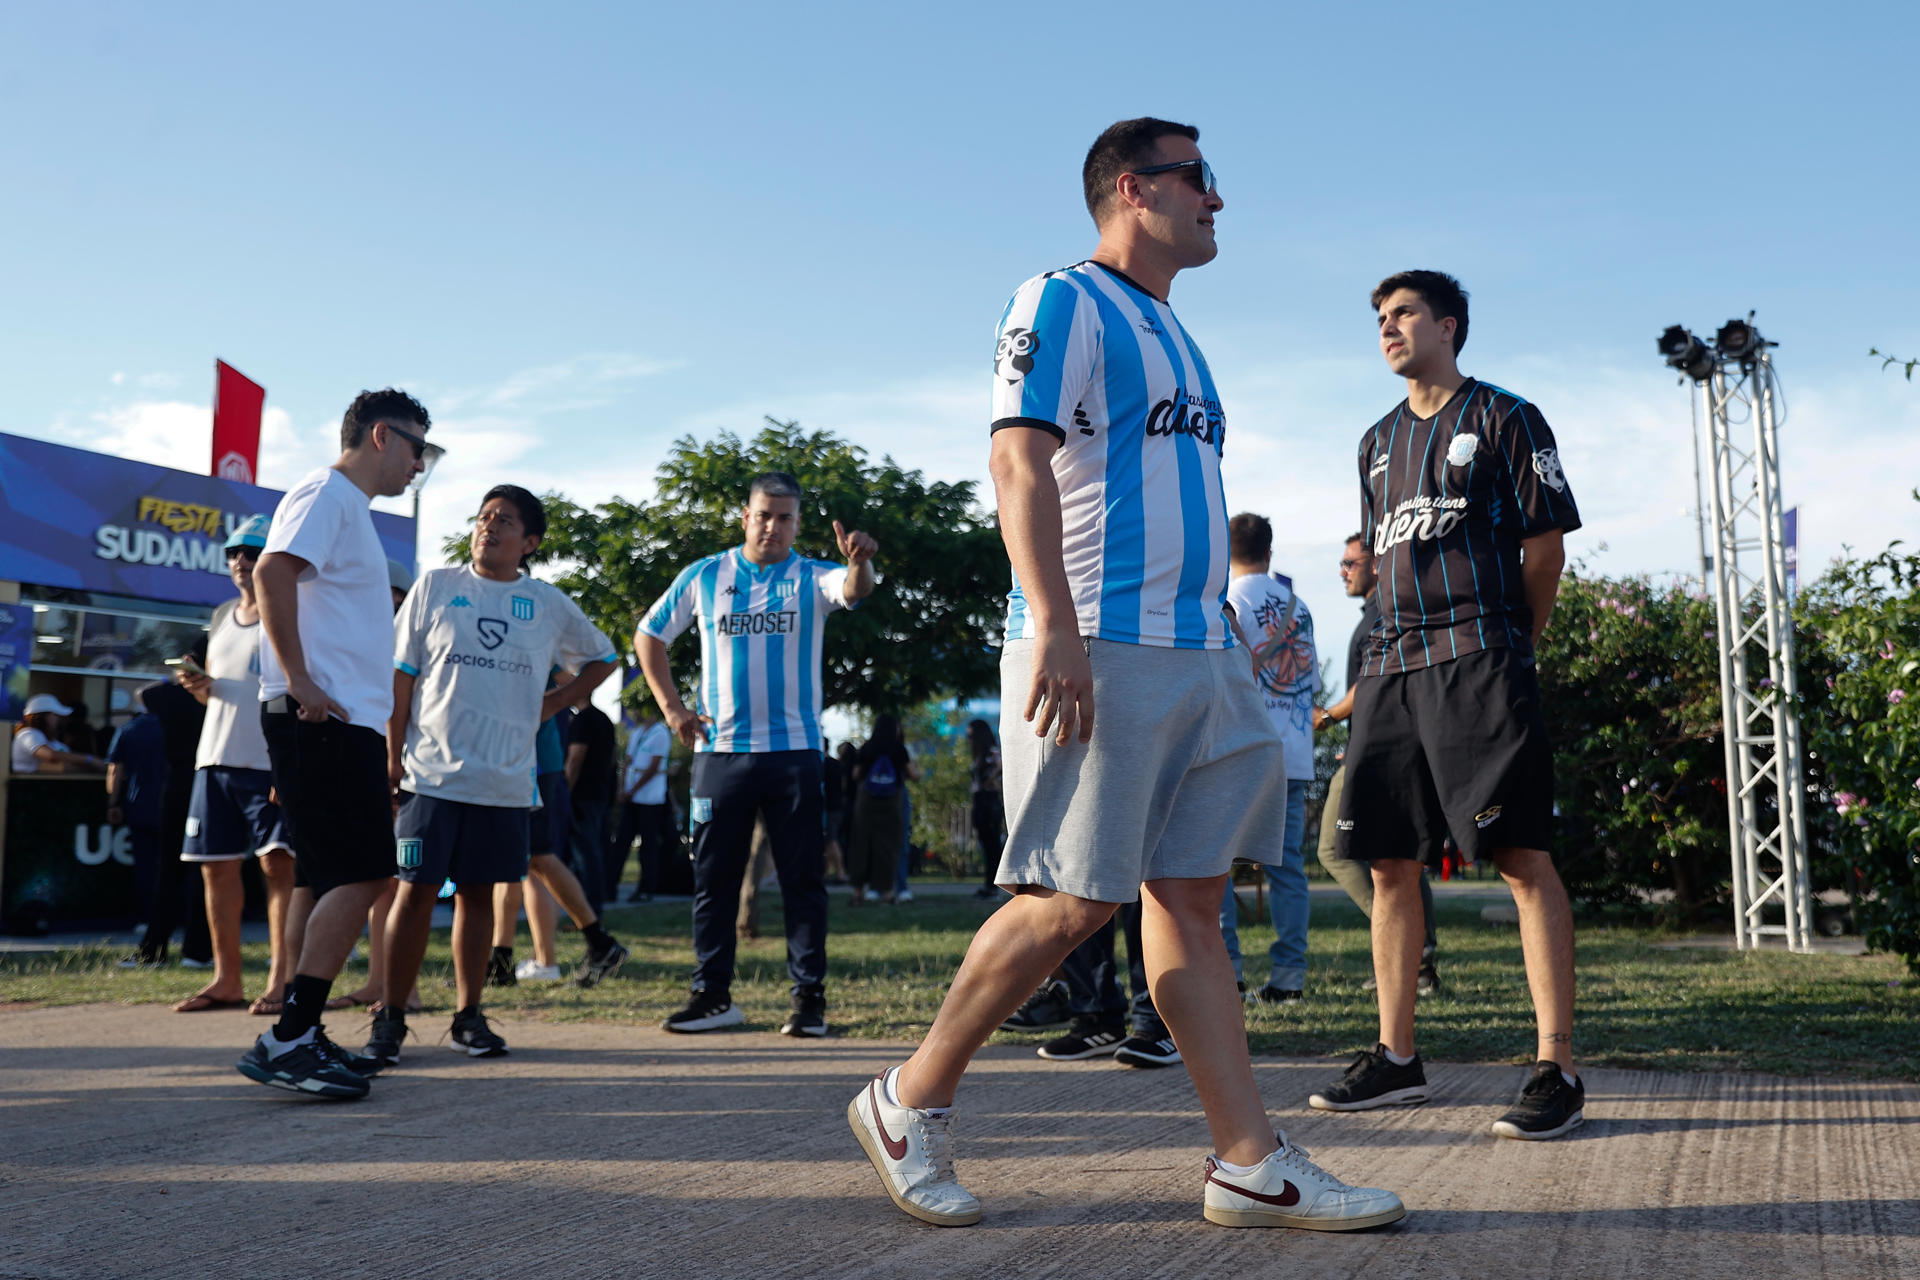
(1198, 172)
(424, 453)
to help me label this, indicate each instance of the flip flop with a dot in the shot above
(267, 1007)
(203, 1002)
(347, 1002)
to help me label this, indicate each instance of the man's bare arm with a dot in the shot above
(1543, 556)
(275, 587)
(1061, 690)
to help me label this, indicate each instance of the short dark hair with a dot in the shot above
(1440, 291)
(775, 484)
(1249, 537)
(533, 515)
(1357, 537)
(1122, 148)
(391, 406)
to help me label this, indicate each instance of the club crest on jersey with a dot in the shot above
(785, 589)
(493, 632)
(1461, 451)
(1546, 465)
(522, 608)
(1013, 356)
(406, 853)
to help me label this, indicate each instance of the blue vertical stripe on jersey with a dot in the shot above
(1445, 585)
(1466, 532)
(778, 737)
(709, 588)
(1040, 391)
(809, 660)
(1189, 610)
(740, 668)
(1124, 570)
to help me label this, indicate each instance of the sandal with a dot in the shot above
(267, 1007)
(352, 1000)
(202, 1003)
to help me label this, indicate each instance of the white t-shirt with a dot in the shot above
(346, 603)
(25, 743)
(230, 736)
(647, 747)
(480, 652)
(1289, 667)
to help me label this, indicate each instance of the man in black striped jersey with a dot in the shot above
(1464, 504)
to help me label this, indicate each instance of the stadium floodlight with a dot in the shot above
(1686, 353)
(1738, 340)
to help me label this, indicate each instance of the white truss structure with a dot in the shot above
(1759, 687)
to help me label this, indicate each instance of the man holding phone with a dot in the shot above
(326, 689)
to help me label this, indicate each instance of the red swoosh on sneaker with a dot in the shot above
(897, 1148)
(1291, 1196)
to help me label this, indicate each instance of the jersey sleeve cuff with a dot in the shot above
(407, 667)
(1037, 424)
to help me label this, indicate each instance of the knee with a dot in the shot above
(1526, 869)
(1395, 876)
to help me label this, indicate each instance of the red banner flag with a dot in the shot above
(237, 400)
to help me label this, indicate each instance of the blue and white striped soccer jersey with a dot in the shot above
(1092, 358)
(1445, 503)
(761, 628)
(480, 651)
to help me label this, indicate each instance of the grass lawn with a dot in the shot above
(1640, 1005)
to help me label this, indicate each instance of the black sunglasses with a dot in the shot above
(1201, 177)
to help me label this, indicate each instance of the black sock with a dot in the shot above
(306, 1000)
(503, 955)
(598, 939)
(468, 1012)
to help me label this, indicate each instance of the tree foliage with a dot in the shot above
(927, 631)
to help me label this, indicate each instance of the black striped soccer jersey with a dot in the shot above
(1445, 502)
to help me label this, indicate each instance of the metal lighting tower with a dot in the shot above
(1759, 684)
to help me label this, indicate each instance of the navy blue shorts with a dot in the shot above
(554, 805)
(437, 840)
(230, 816)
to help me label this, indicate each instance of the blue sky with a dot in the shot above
(578, 232)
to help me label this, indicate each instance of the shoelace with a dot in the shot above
(1541, 1084)
(936, 1133)
(1298, 1159)
(1363, 1060)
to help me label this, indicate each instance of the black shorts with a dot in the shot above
(437, 840)
(332, 781)
(1459, 747)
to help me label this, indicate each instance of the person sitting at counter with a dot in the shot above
(34, 737)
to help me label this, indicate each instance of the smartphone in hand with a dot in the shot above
(188, 665)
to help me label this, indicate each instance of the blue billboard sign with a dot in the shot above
(94, 522)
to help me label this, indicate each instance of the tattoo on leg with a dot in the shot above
(1558, 1037)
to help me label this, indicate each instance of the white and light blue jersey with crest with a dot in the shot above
(1106, 368)
(761, 629)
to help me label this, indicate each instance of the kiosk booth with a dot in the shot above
(107, 568)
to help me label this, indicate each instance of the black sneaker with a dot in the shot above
(472, 1036)
(705, 1012)
(1044, 1009)
(383, 1042)
(1374, 1081)
(358, 1063)
(1089, 1038)
(604, 965)
(1548, 1106)
(1138, 1051)
(809, 1016)
(1428, 982)
(1278, 995)
(305, 1068)
(500, 969)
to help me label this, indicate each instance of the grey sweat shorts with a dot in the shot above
(1185, 773)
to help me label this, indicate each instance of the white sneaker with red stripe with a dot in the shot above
(1289, 1190)
(913, 1153)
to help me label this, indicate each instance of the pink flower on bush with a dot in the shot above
(1897, 697)
(1845, 801)
(1886, 653)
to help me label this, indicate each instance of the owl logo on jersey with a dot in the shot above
(1546, 465)
(1013, 357)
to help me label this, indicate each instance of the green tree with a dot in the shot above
(928, 629)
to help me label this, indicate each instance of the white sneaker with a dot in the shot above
(531, 970)
(873, 895)
(913, 1153)
(1289, 1190)
(905, 895)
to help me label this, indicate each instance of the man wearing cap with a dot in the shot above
(232, 816)
(34, 749)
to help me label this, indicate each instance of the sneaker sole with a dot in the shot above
(476, 1052)
(731, 1018)
(595, 975)
(310, 1089)
(1411, 1096)
(907, 1207)
(1103, 1051)
(1507, 1129)
(792, 1029)
(1263, 1218)
(1146, 1060)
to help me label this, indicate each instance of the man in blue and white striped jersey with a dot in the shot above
(762, 611)
(1107, 434)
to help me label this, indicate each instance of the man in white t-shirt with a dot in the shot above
(232, 816)
(1279, 628)
(643, 806)
(471, 650)
(326, 690)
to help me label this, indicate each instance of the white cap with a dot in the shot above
(40, 702)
